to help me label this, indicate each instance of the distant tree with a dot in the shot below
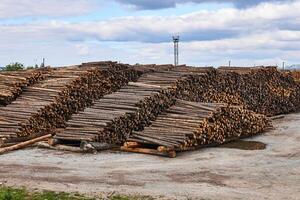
(14, 67)
(30, 67)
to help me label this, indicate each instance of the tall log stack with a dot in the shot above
(47, 105)
(158, 106)
(296, 75)
(13, 83)
(190, 125)
(112, 118)
(263, 90)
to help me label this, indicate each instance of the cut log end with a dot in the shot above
(170, 154)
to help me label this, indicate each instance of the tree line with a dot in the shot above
(16, 66)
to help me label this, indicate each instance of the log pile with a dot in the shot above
(158, 106)
(264, 90)
(112, 118)
(191, 125)
(239, 70)
(296, 75)
(13, 83)
(48, 104)
(276, 93)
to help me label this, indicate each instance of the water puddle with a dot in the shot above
(244, 145)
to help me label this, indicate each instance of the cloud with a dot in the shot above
(21, 8)
(82, 49)
(198, 26)
(10, 9)
(159, 4)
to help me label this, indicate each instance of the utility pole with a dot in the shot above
(229, 63)
(283, 94)
(43, 63)
(176, 50)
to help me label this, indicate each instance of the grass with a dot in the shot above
(8, 193)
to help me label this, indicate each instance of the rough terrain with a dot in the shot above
(213, 173)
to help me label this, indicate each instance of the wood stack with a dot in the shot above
(109, 103)
(239, 70)
(263, 90)
(13, 83)
(296, 75)
(112, 118)
(190, 125)
(48, 104)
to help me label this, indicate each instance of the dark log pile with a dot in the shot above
(239, 70)
(13, 83)
(190, 125)
(48, 104)
(263, 90)
(112, 118)
(296, 75)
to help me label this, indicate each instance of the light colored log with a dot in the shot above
(24, 144)
(171, 154)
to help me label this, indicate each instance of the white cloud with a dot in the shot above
(20, 8)
(82, 49)
(159, 4)
(201, 25)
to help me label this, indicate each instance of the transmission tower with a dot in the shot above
(176, 50)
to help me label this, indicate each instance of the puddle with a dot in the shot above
(244, 145)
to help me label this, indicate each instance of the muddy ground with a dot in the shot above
(213, 173)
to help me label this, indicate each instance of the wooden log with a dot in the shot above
(132, 144)
(60, 147)
(24, 144)
(171, 154)
(53, 142)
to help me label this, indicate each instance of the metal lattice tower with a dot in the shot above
(176, 50)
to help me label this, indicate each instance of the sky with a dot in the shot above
(212, 32)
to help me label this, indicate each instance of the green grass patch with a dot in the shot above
(8, 193)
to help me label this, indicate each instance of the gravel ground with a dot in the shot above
(213, 173)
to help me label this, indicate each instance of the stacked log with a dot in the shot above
(239, 70)
(264, 90)
(110, 103)
(276, 93)
(112, 118)
(191, 125)
(296, 75)
(47, 105)
(13, 83)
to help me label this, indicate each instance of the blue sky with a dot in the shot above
(65, 32)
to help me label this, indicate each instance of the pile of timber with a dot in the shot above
(112, 118)
(264, 90)
(13, 83)
(269, 91)
(296, 75)
(239, 70)
(191, 125)
(112, 103)
(46, 105)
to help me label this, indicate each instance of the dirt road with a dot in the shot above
(214, 173)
